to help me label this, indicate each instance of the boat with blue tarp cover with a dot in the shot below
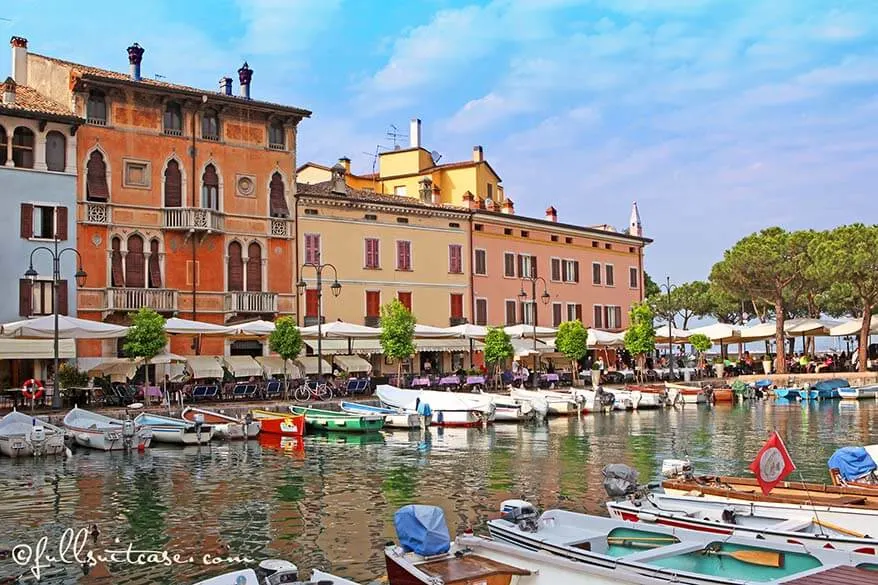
(855, 466)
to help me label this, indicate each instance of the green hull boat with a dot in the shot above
(330, 420)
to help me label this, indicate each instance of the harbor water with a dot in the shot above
(328, 501)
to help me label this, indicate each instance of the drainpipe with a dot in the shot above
(192, 153)
(472, 292)
(296, 249)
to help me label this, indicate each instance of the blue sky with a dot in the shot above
(719, 117)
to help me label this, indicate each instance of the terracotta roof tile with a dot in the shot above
(30, 101)
(324, 189)
(106, 74)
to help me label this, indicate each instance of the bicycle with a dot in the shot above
(313, 390)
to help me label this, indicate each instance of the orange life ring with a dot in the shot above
(31, 384)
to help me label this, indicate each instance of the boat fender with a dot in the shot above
(647, 517)
(32, 389)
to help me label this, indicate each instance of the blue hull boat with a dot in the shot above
(830, 388)
(810, 394)
(786, 392)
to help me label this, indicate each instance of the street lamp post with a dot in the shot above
(533, 280)
(336, 290)
(80, 277)
(670, 288)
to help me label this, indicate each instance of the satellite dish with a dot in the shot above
(435, 156)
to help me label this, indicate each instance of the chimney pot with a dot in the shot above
(19, 59)
(338, 185)
(225, 85)
(508, 207)
(9, 91)
(245, 75)
(346, 163)
(551, 214)
(478, 154)
(415, 133)
(437, 196)
(135, 57)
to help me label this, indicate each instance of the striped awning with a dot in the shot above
(36, 349)
(204, 366)
(352, 363)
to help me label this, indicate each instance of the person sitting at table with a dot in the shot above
(428, 367)
(525, 375)
(550, 369)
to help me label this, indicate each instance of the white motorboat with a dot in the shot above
(448, 408)
(96, 431)
(224, 425)
(393, 418)
(22, 436)
(557, 403)
(861, 393)
(166, 429)
(564, 548)
(683, 394)
(509, 409)
(274, 572)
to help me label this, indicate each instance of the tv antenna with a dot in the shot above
(394, 134)
(158, 76)
(374, 156)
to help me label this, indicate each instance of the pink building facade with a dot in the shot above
(591, 274)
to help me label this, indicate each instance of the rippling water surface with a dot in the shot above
(328, 501)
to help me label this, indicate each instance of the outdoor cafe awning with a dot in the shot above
(118, 369)
(340, 346)
(204, 366)
(273, 365)
(853, 327)
(352, 363)
(36, 349)
(424, 345)
(310, 364)
(242, 366)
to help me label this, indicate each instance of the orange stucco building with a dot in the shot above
(184, 196)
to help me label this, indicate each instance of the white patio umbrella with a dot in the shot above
(341, 330)
(679, 335)
(428, 331)
(469, 331)
(528, 331)
(719, 332)
(68, 328)
(599, 338)
(179, 326)
(258, 328)
(810, 327)
(758, 332)
(853, 327)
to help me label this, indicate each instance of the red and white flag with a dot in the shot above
(772, 464)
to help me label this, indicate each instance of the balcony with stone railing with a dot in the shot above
(251, 302)
(193, 219)
(162, 300)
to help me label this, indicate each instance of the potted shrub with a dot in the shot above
(595, 374)
(766, 364)
(719, 367)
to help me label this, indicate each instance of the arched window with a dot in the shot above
(96, 178)
(117, 275)
(56, 151)
(276, 136)
(210, 125)
(135, 276)
(96, 109)
(236, 267)
(173, 119)
(23, 148)
(2, 145)
(254, 267)
(155, 266)
(210, 188)
(277, 202)
(173, 185)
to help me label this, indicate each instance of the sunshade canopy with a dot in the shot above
(118, 369)
(469, 331)
(422, 345)
(519, 331)
(204, 366)
(427, 331)
(179, 326)
(258, 328)
(718, 332)
(599, 338)
(242, 366)
(809, 326)
(309, 363)
(68, 328)
(853, 327)
(36, 349)
(679, 335)
(344, 346)
(352, 363)
(273, 365)
(341, 330)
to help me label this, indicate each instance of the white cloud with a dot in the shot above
(478, 114)
(284, 26)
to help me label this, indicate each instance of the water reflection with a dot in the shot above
(328, 500)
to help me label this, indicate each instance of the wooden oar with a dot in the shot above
(641, 539)
(766, 558)
(838, 528)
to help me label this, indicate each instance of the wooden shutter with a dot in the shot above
(135, 271)
(96, 178)
(277, 200)
(598, 317)
(117, 275)
(62, 298)
(556, 269)
(173, 185)
(632, 278)
(61, 223)
(456, 306)
(25, 297)
(533, 266)
(371, 253)
(579, 313)
(520, 266)
(155, 267)
(556, 314)
(254, 268)
(481, 311)
(576, 271)
(373, 303)
(236, 267)
(611, 277)
(312, 248)
(406, 299)
(311, 303)
(27, 220)
(618, 312)
(510, 312)
(509, 269)
(454, 259)
(596, 273)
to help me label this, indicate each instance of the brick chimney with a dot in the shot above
(135, 57)
(245, 76)
(415, 133)
(478, 154)
(225, 85)
(338, 185)
(552, 214)
(346, 163)
(19, 59)
(469, 201)
(437, 196)
(508, 207)
(9, 92)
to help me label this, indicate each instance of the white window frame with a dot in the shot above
(33, 298)
(54, 207)
(610, 315)
(600, 274)
(571, 311)
(400, 190)
(528, 261)
(524, 312)
(475, 264)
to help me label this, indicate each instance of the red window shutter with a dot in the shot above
(312, 248)
(173, 185)
(134, 263)
(96, 178)
(456, 306)
(454, 259)
(236, 267)
(62, 297)
(371, 253)
(27, 220)
(556, 269)
(373, 303)
(254, 268)
(312, 304)
(155, 268)
(277, 199)
(406, 299)
(25, 297)
(61, 223)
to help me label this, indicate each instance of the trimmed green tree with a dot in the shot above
(286, 341)
(640, 335)
(397, 333)
(700, 343)
(498, 348)
(146, 337)
(572, 341)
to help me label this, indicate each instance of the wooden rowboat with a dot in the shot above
(280, 423)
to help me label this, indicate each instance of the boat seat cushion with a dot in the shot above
(467, 568)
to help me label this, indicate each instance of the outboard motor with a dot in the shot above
(605, 399)
(38, 438)
(521, 513)
(199, 422)
(276, 571)
(619, 480)
(128, 432)
(672, 468)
